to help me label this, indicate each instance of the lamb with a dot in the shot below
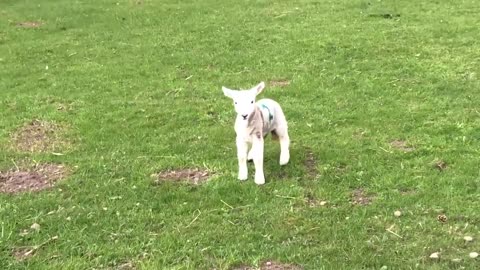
(253, 123)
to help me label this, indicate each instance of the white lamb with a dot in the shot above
(253, 123)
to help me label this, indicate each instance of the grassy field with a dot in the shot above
(382, 99)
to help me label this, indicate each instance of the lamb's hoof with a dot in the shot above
(284, 160)
(259, 181)
(242, 177)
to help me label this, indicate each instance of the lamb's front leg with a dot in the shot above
(257, 148)
(242, 149)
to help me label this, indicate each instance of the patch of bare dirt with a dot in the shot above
(360, 197)
(441, 165)
(279, 83)
(407, 191)
(124, 266)
(359, 134)
(38, 136)
(190, 175)
(310, 164)
(30, 24)
(36, 178)
(312, 201)
(442, 218)
(270, 265)
(401, 145)
(21, 254)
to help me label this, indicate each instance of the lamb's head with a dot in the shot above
(244, 100)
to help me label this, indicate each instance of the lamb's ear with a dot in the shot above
(259, 88)
(227, 92)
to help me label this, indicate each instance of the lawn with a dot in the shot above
(382, 99)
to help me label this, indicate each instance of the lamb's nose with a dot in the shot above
(244, 116)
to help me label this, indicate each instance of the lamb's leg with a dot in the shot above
(242, 149)
(282, 133)
(284, 150)
(257, 149)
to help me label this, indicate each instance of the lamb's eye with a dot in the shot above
(235, 102)
(251, 102)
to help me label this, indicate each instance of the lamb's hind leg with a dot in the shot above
(282, 133)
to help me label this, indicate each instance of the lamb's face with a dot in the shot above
(244, 100)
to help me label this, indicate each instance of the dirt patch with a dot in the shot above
(279, 83)
(311, 201)
(359, 134)
(385, 15)
(401, 145)
(23, 253)
(441, 165)
(36, 178)
(31, 24)
(442, 218)
(407, 191)
(189, 175)
(360, 197)
(270, 265)
(310, 164)
(38, 136)
(314, 202)
(127, 265)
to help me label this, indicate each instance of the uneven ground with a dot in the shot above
(382, 99)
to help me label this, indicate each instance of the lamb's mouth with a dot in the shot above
(244, 116)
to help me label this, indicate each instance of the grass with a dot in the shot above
(141, 81)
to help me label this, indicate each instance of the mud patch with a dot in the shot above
(279, 83)
(38, 136)
(36, 178)
(270, 265)
(189, 175)
(401, 145)
(31, 24)
(311, 164)
(360, 197)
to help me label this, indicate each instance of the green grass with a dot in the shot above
(357, 82)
